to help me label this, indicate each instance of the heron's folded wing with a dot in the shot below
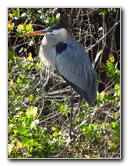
(73, 65)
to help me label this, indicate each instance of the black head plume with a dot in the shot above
(54, 27)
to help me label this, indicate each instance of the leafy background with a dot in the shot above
(39, 100)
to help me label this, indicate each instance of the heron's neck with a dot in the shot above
(45, 41)
(47, 53)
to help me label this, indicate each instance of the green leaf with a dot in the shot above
(33, 142)
(19, 81)
(25, 141)
(114, 124)
(11, 56)
(102, 11)
(10, 127)
(55, 134)
(117, 88)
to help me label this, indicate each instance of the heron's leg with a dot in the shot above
(71, 114)
(78, 108)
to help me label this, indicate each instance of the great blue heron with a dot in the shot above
(69, 58)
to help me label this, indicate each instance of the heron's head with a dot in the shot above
(53, 32)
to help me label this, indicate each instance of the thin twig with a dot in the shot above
(103, 36)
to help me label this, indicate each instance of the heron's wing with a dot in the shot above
(74, 66)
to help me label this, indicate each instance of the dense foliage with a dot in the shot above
(39, 100)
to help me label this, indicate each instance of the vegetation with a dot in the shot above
(39, 100)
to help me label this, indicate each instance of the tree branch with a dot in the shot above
(104, 36)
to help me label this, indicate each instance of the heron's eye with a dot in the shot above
(50, 30)
(55, 32)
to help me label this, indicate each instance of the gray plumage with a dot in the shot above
(74, 65)
(69, 58)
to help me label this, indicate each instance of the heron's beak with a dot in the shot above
(40, 32)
